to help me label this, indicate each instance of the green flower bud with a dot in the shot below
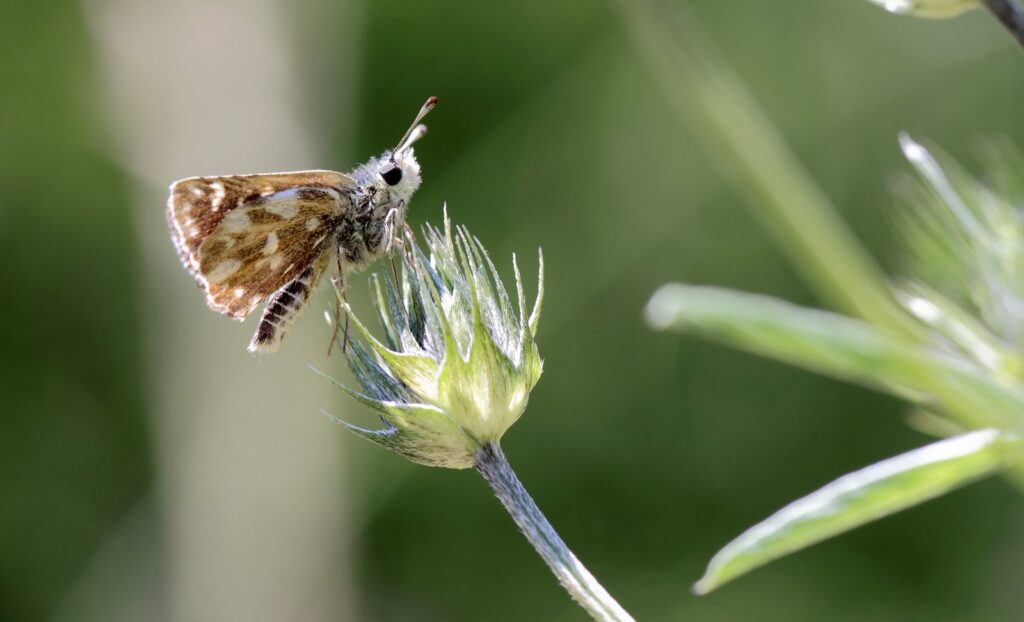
(457, 363)
(927, 8)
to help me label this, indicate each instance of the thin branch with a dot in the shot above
(1009, 14)
(574, 577)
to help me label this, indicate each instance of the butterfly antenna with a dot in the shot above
(416, 130)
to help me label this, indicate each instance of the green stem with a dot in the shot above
(574, 577)
(750, 151)
(1009, 14)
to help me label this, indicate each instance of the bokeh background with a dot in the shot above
(151, 469)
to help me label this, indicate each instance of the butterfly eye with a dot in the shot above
(392, 175)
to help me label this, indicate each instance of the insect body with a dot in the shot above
(249, 239)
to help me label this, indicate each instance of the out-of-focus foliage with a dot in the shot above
(646, 452)
(858, 498)
(964, 255)
(74, 455)
(928, 8)
(838, 346)
(958, 224)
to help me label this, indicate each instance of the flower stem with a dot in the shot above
(574, 577)
(748, 148)
(1010, 14)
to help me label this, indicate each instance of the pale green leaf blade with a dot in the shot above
(859, 498)
(839, 346)
(928, 8)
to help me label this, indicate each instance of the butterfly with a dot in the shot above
(250, 239)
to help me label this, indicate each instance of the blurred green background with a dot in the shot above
(151, 469)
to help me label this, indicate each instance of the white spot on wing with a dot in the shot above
(284, 209)
(219, 193)
(237, 220)
(223, 270)
(312, 223)
(239, 292)
(276, 260)
(271, 246)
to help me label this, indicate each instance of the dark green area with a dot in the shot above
(74, 451)
(647, 451)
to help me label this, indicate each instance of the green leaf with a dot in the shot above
(839, 346)
(962, 329)
(753, 155)
(927, 8)
(859, 498)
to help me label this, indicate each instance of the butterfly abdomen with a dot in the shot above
(283, 307)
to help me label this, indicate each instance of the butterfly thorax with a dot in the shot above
(364, 231)
(378, 209)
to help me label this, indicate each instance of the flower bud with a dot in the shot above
(457, 362)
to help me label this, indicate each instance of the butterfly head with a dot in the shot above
(397, 170)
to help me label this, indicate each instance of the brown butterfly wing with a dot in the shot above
(197, 205)
(261, 246)
(243, 238)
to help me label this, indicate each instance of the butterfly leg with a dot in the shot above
(395, 239)
(344, 341)
(283, 307)
(390, 230)
(340, 285)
